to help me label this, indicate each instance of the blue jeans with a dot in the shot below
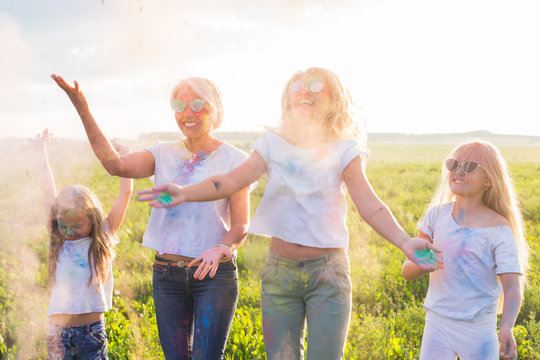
(314, 289)
(194, 316)
(86, 342)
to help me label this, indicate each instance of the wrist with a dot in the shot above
(505, 328)
(221, 245)
(401, 241)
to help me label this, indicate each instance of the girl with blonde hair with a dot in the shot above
(81, 252)
(311, 159)
(475, 219)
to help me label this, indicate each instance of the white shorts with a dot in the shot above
(446, 339)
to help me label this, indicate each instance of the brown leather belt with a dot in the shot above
(184, 261)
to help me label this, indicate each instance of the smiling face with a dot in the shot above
(306, 100)
(192, 123)
(471, 184)
(73, 224)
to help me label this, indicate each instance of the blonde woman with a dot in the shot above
(195, 279)
(314, 156)
(475, 220)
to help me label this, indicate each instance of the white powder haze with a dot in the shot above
(418, 66)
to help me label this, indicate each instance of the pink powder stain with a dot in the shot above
(268, 331)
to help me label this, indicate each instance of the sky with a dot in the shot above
(413, 66)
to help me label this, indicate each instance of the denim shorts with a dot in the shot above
(86, 342)
(313, 290)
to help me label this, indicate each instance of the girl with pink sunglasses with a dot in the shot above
(474, 218)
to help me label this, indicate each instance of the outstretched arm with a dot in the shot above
(215, 187)
(45, 174)
(137, 165)
(511, 307)
(380, 218)
(119, 207)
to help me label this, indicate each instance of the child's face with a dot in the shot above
(73, 225)
(192, 123)
(310, 97)
(465, 184)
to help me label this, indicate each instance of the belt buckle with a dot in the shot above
(181, 266)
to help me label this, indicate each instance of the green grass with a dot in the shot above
(387, 319)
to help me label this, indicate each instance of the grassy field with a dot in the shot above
(387, 319)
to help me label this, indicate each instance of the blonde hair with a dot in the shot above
(100, 252)
(500, 196)
(341, 122)
(209, 92)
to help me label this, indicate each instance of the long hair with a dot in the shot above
(209, 92)
(100, 252)
(500, 197)
(343, 120)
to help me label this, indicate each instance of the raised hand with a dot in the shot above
(42, 139)
(120, 148)
(209, 261)
(73, 92)
(424, 254)
(163, 196)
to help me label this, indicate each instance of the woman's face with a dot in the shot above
(309, 97)
(194, 120)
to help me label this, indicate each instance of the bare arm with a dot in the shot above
(233, 239)
(215, 187)
(119, 207)
(136, 165)
(410, 270)
(511, 307)
(45, 174)
(380, 218)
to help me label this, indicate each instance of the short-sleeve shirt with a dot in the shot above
(70, 293)
(467, 288)
(189, 228)
(304, 200)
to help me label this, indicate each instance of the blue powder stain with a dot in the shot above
(206, 321)
(293, 167)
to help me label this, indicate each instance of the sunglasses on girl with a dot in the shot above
(314, 86)
(468, 166)
(197, 105)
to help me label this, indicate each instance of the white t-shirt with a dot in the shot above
(467, 288)
(70, 293)
(304, 201)
(193, 227)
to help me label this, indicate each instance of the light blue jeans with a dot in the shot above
(314, 289)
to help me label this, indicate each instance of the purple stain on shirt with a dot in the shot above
(186, 167)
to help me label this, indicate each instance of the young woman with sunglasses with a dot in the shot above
(475, 220)
(195, 279)
(311, 159)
